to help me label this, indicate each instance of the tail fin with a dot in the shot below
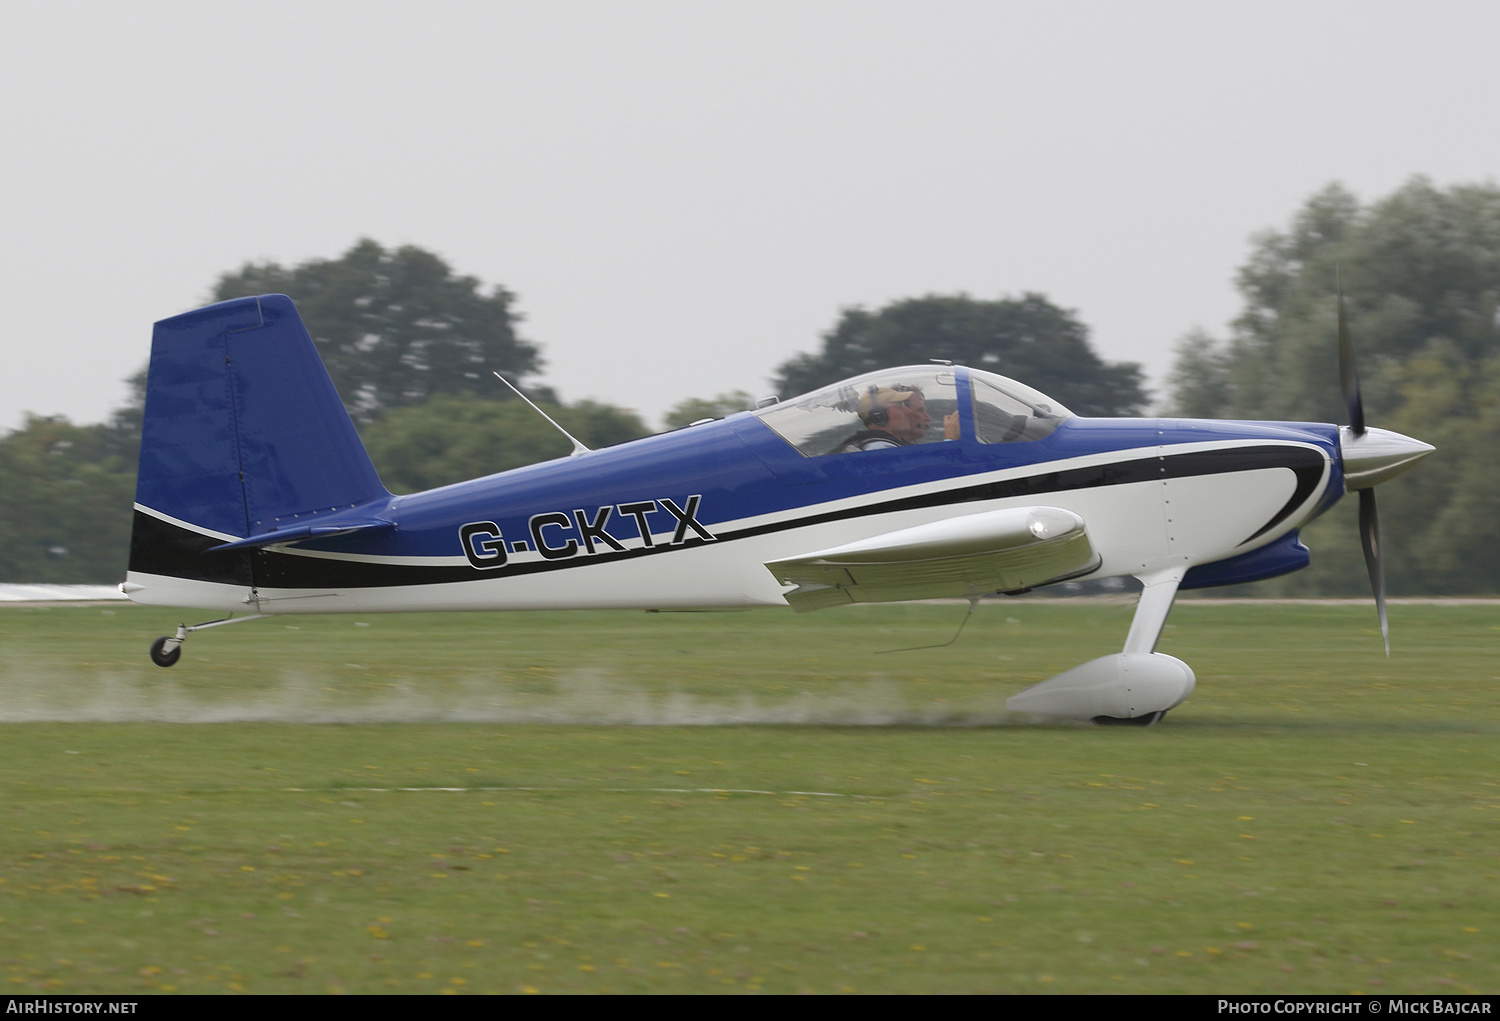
(244, 433)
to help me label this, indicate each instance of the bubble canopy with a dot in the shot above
(912, 405)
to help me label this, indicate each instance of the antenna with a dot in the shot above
(578, 448)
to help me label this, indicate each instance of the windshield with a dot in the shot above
(1009, 412)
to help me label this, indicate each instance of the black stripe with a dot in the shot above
(1309, 471)
(160, 547)
(1306, 463)
(176, 551)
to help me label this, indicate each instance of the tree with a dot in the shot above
(395, 327)
(1027, 338)
(452, 438)
(65, 502)
(1199, 380)
(1420, 271)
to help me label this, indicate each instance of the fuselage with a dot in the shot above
(688, 519)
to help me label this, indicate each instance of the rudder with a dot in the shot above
(243, 433)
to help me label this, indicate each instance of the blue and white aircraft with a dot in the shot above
(256, 498)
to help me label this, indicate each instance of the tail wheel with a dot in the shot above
(161, 655)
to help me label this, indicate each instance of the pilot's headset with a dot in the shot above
(873, 412)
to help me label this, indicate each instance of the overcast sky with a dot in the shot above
(684, 194)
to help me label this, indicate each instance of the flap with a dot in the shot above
(975, 554)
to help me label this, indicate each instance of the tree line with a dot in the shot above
(410, 344)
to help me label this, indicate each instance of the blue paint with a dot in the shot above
(1285, 555)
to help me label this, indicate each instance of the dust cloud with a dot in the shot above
(31, 693)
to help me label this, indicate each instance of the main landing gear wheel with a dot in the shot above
(161, 655)
(1149, 720)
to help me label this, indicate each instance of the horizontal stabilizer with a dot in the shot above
(997, 551)
(301, 533)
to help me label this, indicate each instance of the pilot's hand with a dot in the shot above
(950, 426)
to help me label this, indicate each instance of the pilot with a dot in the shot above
(894, 416)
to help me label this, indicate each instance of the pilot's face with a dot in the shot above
(909, 419)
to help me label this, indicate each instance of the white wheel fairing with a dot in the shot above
(1123, 686)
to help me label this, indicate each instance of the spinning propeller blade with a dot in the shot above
(1369, 517)
(1348, 377)
(1369, 537)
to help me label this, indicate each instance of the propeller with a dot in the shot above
(1369, 538)
(1348, 377)
(1369, 517)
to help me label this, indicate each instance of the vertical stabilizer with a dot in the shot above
(243, 432)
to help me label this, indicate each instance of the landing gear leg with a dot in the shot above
(167, 649)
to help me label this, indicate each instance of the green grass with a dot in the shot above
(1315, 819)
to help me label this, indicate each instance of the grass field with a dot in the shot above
(740, 802)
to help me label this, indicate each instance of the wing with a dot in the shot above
(997, 551)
